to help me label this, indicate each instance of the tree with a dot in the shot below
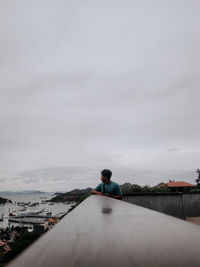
(198, 179)
(5, 234)
(22, 241)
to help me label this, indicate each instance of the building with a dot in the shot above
(179, 186)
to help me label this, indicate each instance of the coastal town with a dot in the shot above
(22, 222)
(32, 215)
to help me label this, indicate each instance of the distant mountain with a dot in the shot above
(32, 192)
(21, 192)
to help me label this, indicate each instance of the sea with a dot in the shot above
(16, 207)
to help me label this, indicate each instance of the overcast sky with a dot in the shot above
(87, 85)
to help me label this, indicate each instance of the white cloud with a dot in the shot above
(99, 83)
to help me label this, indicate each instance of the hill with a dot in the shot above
(74, 195)
(4, 200)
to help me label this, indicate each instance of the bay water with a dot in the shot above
(32, 198)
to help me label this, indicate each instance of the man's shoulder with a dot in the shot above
(114, 183)
(116, 188)
(98, 187)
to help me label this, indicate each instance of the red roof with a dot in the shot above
(179, 184)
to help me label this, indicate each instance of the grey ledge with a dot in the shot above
(106, 232)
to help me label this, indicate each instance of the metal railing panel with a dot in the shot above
(180, 205)
(168, 204)
(191, 204)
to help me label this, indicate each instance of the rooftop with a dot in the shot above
(179, 184)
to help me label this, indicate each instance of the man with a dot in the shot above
(107, 187)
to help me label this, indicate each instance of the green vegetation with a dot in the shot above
(134, 188)
(16, 240)
(4, 200)
(198, 179)
(5, 234)
(76, 195)
(195, 190)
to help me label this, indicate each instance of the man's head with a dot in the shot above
(106, 175)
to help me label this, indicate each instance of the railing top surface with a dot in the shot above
(106, 232)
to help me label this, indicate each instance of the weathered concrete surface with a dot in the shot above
(106, 232)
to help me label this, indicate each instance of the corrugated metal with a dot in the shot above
(178, 205)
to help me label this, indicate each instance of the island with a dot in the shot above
(4, 200)
(75, 195)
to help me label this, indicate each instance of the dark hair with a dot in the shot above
(106, 173)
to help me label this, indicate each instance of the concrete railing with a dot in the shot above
(180, 205)
(106, 232)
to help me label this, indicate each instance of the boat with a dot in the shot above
(23, 209)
